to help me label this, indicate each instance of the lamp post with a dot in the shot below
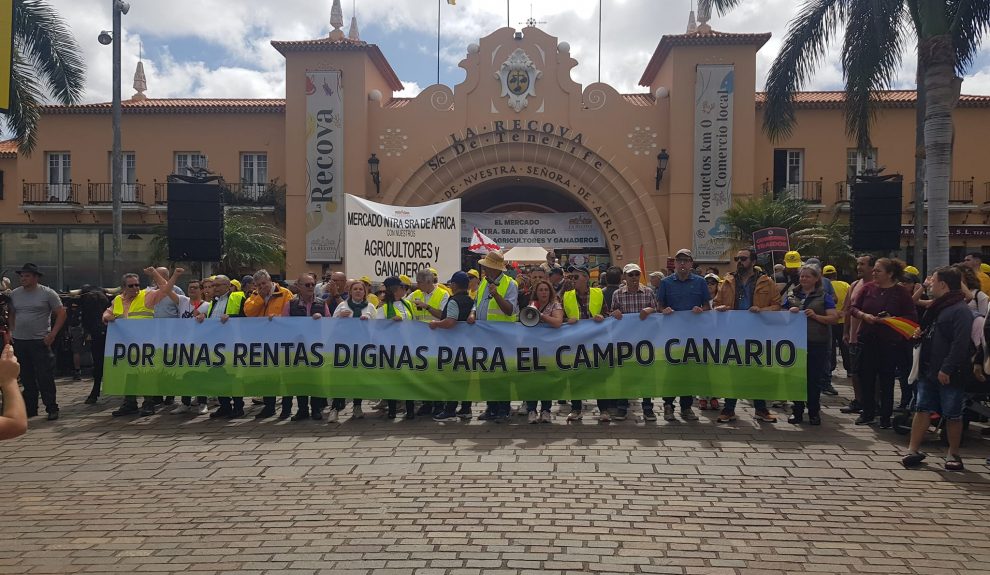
(376, 177)
(119, 8)
(662, 158)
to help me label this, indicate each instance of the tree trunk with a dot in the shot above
(942, 92)
(919, 167)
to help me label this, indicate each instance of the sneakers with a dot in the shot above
(425, 410)
(357, 413)
(53, 415)
(488, 415)
(649, 415)
(765, 416)
(147, 409)
(796, 419)
(300, 415)
(126, 409)
(620, 414)
(181, 409)
(668, 412)
(91, 400)
(464, 413)
(532, 417)
(829, 390)
(332, 416)
(575, 416)
(604, 417)
(853, 407)
(546, 417)
(727, 416)
(204, 409)
(445, 416)
(863, 420)
(689, 415)
(265, 413)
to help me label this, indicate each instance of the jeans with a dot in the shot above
(339, 402)
(37, 374)
(686, 401)
(499, 407)
(286, 402)
(544, 405)
(393, 406)
(231, 403)
(603, 404)
(842, 346)
(97, 345)
(758, 404)
(877, 364)
(624, 404)
(304, 401)
(817, 369)
(187, 400)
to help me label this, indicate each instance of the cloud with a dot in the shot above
(237, 59)
(409, 90)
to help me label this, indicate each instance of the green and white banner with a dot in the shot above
(728, 354)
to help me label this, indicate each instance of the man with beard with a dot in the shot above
(851, 325)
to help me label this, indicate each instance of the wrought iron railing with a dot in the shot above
(44, 193)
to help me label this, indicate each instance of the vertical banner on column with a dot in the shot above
(385, 240)
(324, 167)
(6, 51)
(712, 160)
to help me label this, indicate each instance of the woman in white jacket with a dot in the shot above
(356, 305)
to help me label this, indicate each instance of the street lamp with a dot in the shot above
(119, 8)
(662, 158)
(376, 177)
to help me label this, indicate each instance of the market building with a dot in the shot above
(518, 141)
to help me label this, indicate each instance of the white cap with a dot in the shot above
(631, 268)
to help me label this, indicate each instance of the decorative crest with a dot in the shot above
(518, 76)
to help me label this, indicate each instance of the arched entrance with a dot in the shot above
(622, 208)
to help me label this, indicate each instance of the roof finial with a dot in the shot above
(692, 26)
(337, 21)
(140, 80)
(704, 15)
(353, 33)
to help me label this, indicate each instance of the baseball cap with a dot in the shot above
(247, 280)
(235, 283)
(581, 269)
(792, 260)
(556, 270)
(656, 274)
(460, 279)
(391, 282)
(829, 269)
(985, 268)
(474, 274)
(366, 279)
(406, 280)
(684, 253)
(713, 277)
(631, 268)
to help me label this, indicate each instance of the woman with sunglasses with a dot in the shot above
(306, 304)
(552, 315)
(356, 305)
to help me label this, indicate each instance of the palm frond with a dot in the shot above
(803, 49)
(970, 22)
(871, 53)
(724, 6)
(25, 97)
(48, 42)
(764, 211)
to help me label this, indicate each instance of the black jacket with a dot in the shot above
(947, 346)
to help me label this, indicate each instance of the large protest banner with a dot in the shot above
(722, 354)
(324, 166)
(564, 230)
(385, 240)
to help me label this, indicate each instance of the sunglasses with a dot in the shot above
(741, 259)
(133, 285)
(633, 274)
(308, 285)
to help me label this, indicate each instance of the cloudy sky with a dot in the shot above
(221, 48)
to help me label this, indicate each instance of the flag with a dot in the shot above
(901, 325)
(642, 267)
(481, 244)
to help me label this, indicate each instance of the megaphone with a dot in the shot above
(529, 316)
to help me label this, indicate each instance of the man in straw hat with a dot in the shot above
(497, 300)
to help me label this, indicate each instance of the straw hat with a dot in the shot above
(494, 260)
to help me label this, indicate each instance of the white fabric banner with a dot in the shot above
(565, 230)
(713, 95)
(324, 167)
(385, 240)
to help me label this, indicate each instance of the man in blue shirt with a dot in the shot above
(683, 291)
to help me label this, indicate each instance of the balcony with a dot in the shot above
(252, 196)
(809, 191)
(960, 192)
(101, 196)
(51, 197)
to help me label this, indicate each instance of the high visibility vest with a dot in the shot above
(235, 304)
(595, 300)
(495, 312)
(390, 309)
(137, 309)
(436, 296)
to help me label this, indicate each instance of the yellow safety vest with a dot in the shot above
(435, 298)
(595, 300)
(235, 303)
(137, 309)
(494, 312)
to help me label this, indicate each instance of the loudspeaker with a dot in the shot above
(195, 222)
(875, 215)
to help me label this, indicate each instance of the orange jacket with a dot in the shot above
(255, 305)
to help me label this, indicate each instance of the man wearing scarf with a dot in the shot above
(944, 366)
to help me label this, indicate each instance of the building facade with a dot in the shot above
(517, 135)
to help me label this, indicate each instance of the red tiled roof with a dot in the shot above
(712, 38)
(8, 149)
(345, 45)
(177, 106)
(640, 99)
(887, 99)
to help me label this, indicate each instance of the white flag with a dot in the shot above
(481, 244)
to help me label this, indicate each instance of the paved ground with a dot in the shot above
(182, 494)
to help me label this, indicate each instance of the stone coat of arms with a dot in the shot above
(518, 76)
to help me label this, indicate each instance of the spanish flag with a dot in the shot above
(901, 325)
(642, 267)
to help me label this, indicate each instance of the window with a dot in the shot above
(254, 174)
(858, 162)
(130, 175)
(59, 177)
(189, 163)
(788, 171)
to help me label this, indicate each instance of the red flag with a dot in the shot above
(481, 244)
(642, 267)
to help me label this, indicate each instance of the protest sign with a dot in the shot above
(383, 240)
(564, 230)
(771, 240)
(721, 354)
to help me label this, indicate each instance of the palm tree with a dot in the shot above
(248, 244)
(948, 34)
(749, 214)
(44, 53)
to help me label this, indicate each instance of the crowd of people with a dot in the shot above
(844, 319)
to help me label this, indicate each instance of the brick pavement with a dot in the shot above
(183, 494)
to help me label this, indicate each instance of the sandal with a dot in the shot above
(913, 459)
(953, 463)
